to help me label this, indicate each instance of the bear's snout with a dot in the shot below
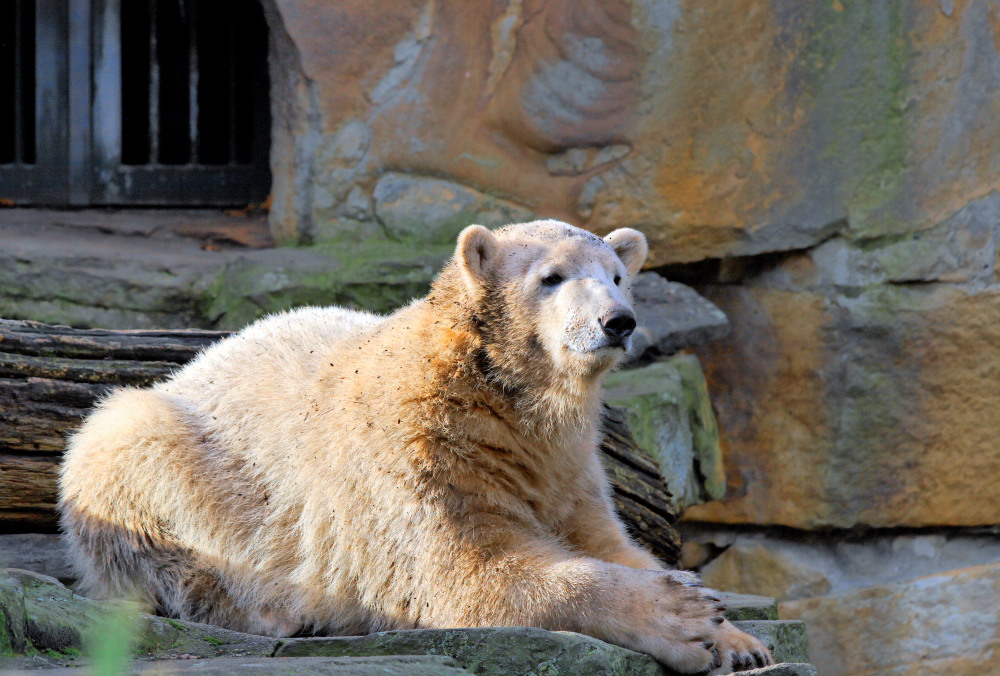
(618, 325)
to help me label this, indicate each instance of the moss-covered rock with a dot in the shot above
(396, 665)
(43, 617)
(670, 414)
(43, 620)
(123, 282)
(748, 606)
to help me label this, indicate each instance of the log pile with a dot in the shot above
(50, 376)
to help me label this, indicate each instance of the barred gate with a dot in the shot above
(154, 102)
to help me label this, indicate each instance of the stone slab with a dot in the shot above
(395, 665)
(502, 650)
(112, 277)
(401, 665)
(42, 615)
(787, 669)
(45, 625)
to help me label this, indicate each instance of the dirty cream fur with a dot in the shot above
(339, 472)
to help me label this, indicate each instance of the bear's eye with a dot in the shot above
(618, 280)
(555, 279)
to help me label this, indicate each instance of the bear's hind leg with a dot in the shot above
(126, 481)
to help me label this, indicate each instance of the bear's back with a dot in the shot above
(254, 383)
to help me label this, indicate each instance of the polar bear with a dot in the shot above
(336, 472)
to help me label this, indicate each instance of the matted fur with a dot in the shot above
(336, 472)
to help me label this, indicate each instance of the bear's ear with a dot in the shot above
(631, 247)
(475, 252)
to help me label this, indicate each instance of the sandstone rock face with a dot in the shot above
(859, 135)
(720, 129)
(432, 211)
(874, 603)
(743, 567)
(797, 565)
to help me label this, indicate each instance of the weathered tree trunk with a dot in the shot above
(50, 376)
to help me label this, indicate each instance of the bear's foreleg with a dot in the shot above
(595, 530)
(529, 581)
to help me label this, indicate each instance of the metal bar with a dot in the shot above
(107, 107)
(232, 90)
(79, 101)
(192, 19)
(19, 38)
(51, 101)
(154, 88)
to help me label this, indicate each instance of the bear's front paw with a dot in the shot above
(738, 651)
(683, 623)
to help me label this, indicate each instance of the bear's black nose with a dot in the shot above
(618, 325)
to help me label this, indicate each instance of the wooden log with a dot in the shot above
(50, 376)
(640, 491)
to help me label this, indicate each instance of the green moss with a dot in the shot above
(376, 276)
(212, 640)
(175, 624)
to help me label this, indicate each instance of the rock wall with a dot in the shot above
(827, 173)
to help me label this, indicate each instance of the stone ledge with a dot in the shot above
(44, 625)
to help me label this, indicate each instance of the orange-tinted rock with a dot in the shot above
(844, 405)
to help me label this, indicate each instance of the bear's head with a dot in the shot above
(550, 297)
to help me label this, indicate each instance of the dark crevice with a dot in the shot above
(737, 269)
